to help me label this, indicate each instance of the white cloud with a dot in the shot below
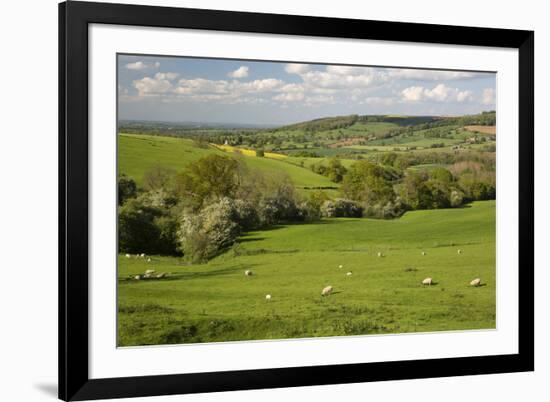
(264, 85)
(241, 72)
(379, 101)
(488, 96)
(289, 97)
(295, 68)
(140, 65)
(319, 99)
(439, 93)
(159, 84)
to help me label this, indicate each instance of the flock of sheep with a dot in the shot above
(150, 273)
(328, 289)
(325, 292)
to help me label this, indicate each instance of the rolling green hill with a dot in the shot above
(216, 302)
(139, 153)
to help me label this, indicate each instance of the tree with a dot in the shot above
(336, 170)
(210, 177)
(127, 189)
(260, 153)
(137, 232)
(368, 183)
(157, 178)
(204, 235)
(147, 227)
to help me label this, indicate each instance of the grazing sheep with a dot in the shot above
(268, 297)
(137, 277)
(248, 272)
(423, 253)
(459, 251)
(148, 260)
(142, 255)
(326, 291)
(340, 266)
(475, 282)
(380, 254)
(128, 256)
(427, 281)
(349, 273)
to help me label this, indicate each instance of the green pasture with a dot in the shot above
(216, 302)
(139, 153)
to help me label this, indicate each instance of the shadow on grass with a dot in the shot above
(182, 276)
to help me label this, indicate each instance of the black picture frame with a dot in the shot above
(74, 18)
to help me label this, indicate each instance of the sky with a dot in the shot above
(182, 89)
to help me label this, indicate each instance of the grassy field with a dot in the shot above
(216, 302)
(139, 153)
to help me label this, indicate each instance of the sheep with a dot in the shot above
(267, 297)
(326, 291)
(128, 256)
(427, 281)
(423, 253)
(349, 273)
(137, 277)
(459, 251)
(340, 266)
(142, 255)
(161, 275)
(475, 282)
(148, 260)
(149, 272)
(248, 272)
(380, 254)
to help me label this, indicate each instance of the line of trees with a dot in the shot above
(201, 211)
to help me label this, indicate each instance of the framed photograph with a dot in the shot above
(257, 201)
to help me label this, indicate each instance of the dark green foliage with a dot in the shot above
(260, 153)
(368, 183)
(145, 226)
(137, 232)
(210, 177)
(127, 189)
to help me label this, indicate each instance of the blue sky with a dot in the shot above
(256, 92)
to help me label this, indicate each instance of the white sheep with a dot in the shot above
(475, 282)
(427, 281)
(340, 266)
(142, 255)
(349, 273)
(380, 254)
(148, 260)
(268, 297)
(128, 256)
(459, 251)
(137, 277)
(149, 272)
(326, 291)
(423, 253)
(248, 272)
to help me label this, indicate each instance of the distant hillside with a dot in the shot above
(342, 122)
(323, 124)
